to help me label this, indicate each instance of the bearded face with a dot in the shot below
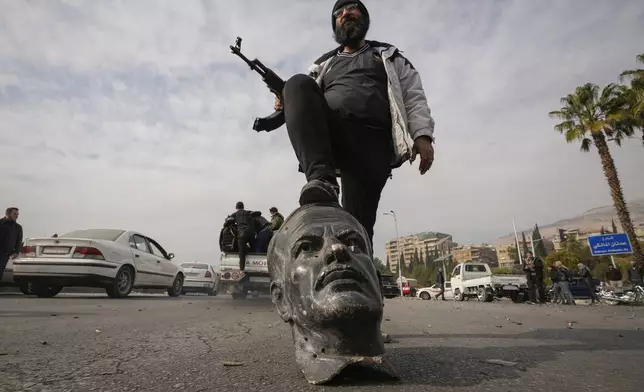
(351, 28)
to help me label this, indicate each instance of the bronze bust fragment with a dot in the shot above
(325, 285)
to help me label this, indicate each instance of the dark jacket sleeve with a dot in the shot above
(18, 247)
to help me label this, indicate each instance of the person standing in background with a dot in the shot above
(440, 281)
(636, 274)
(584, 273)
(245, 232)
(277, 219)
(614, 278)
(564, 282)
(10, 237)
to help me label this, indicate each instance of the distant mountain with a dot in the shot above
(592, 219)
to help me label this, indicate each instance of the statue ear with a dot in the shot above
(277, 296)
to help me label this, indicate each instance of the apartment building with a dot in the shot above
(432, 242)
(480, 253)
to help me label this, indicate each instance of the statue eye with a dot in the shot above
(308, 246)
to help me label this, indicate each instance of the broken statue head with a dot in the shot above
(324, 283)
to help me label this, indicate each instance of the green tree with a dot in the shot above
(513, 254)
(380, 266)
(421, 258)
(635, 94)
(502, 271)
(602, 231)
(402, 267)
(593, 117)
(524, 246)
(614, 226)
(415, 260)
(539, 247)
(388, 265)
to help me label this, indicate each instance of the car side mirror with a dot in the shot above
(170, 256)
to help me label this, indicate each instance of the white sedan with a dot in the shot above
(200, 278)
(116, 260)
(432, 291)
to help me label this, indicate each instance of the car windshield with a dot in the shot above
(94, 234)
(388, 279)
(194, 265)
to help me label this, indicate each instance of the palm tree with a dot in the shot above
(636, 93)
(594, 117)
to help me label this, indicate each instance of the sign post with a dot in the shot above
(610, 245)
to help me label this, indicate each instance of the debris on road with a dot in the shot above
(44, 342)
(53, 314)
(233, 363)
(98, 331)
(502, 362)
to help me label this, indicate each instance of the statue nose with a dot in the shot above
(339, 253)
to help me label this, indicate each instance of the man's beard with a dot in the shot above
(351, 31)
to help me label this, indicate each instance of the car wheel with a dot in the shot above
(177, 286)
(212, 291)
(458, 296)
(46, 291)
(122, 284)
(27, 288)
(425, 295)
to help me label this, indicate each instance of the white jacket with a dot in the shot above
(410, 113)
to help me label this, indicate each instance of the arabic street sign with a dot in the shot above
(609, 244)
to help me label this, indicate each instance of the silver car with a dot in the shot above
(200, 278)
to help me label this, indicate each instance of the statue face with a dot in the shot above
(329, 274)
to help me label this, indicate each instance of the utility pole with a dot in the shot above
(392, 213)
(516, 237)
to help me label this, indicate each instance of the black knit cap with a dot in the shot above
(341, 3)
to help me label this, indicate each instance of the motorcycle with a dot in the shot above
(634, 297)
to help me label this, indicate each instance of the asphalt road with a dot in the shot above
(157, 343)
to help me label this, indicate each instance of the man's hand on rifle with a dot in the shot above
(278, 104)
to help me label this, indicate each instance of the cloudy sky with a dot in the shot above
(134, 114)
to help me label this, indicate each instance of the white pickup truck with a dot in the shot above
(471, 279)
(254, 279)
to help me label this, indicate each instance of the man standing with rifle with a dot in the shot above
(361, 111)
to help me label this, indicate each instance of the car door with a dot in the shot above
(167, 269)
(457, 278)
(144, 261)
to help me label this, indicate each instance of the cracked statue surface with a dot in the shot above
(324, 283)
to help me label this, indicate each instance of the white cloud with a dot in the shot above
(135, 114)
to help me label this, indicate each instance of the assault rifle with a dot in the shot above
(274, 83)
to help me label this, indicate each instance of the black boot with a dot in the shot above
(318, 191)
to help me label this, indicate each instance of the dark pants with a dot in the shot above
(323, 143)
(531, 281)
(442, 292)
(242, 241)
(591, 289)
(540, 288)
(4, 259)
(262, 240)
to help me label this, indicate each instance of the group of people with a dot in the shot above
(10, 237)
(561, 278)
(247, 231)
